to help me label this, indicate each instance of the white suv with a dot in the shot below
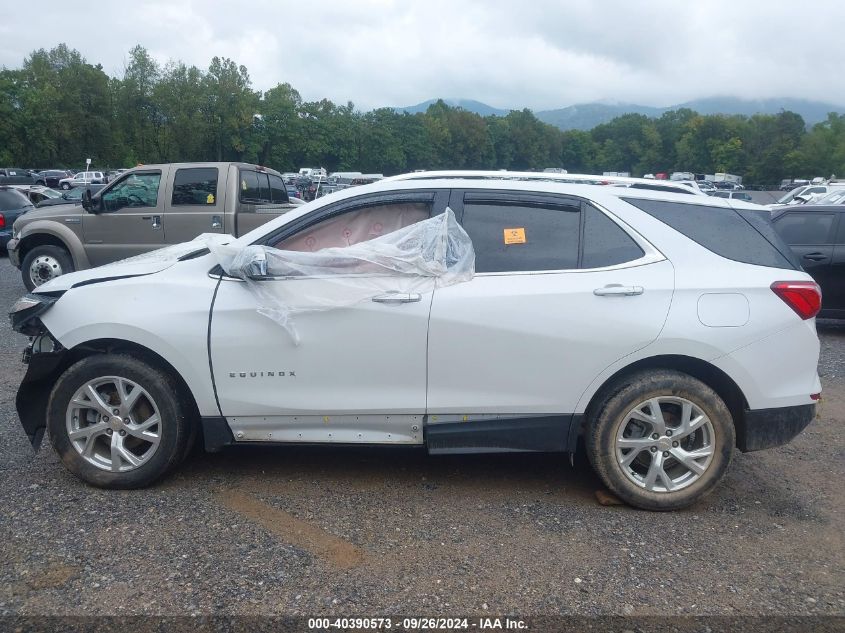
(663, 329)
(82, 179)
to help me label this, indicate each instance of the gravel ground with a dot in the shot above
(377, 532)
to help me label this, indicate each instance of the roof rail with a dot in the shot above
(584, 179)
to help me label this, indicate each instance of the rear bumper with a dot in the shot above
(5, 237)
(767, 428)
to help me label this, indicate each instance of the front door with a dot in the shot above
(128, 219)
(358, 373)
(561, 292)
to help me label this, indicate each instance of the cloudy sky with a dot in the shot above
(539, 54)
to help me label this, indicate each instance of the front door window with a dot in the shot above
(136, 190)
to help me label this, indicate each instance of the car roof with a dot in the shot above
(200, 164)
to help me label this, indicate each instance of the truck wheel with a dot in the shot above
(43, 263)
(661, 440)
(65, 186)
(118, 422)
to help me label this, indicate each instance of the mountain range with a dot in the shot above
(585, 116)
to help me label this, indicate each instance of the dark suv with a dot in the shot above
(12, 204)
(816, 234)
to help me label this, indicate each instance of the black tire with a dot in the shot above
(175, 427)
(62, 257)
(65, 186)
(603, 424)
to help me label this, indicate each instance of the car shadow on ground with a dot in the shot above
(374, 467)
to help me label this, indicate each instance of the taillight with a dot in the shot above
(805, 297)
(2, 221)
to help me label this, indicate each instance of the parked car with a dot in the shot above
(816, 234)
(146, 208)
(12, 205)
(82, 179)
(801, 194)
(733, 195)
(52, 177)
(665, 329)
(74, 196)
(114, 173)
(727, 185)
(38, 194)
(19, 177)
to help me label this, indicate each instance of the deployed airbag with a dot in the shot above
(414, 259)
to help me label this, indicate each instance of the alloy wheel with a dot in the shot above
(114, 424)
(665, 444)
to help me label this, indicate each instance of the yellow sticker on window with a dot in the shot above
(210, 199)
(515, 236)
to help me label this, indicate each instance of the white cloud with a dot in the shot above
(539, 53)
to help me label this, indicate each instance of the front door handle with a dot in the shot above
(393, 298)
(815, 257)
(618, 290)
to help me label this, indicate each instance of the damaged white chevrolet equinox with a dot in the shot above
(462, 314)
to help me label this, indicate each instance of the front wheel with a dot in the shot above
(43, 263)
(65, 186)
(661, 440)
(118, 422)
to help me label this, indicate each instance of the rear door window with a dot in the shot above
(514, 236)
(806, 227)
(195, 186)
(724, 231)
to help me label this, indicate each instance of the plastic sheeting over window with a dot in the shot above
(413, 259)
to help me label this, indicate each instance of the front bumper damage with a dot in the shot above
(31, 402)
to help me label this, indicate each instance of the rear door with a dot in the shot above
(194, 203)
(561, 291)
(810, 234)
(129, 221)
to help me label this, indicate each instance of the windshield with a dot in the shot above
(791, 195)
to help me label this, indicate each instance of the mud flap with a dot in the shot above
(34, 391)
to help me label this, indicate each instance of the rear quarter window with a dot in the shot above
(745, 236)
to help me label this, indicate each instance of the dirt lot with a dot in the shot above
(378, 532)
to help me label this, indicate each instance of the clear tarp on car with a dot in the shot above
(411, 260)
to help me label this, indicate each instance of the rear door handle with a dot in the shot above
(618, 290)
(394, 298)
(815, 257)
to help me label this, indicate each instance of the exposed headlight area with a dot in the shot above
(26, 310)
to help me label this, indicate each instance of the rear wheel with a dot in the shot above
(118, 422)
(661, 440)
(43, 263)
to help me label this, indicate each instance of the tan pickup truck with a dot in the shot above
(147, 208)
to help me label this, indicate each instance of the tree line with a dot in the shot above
(58, 109)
